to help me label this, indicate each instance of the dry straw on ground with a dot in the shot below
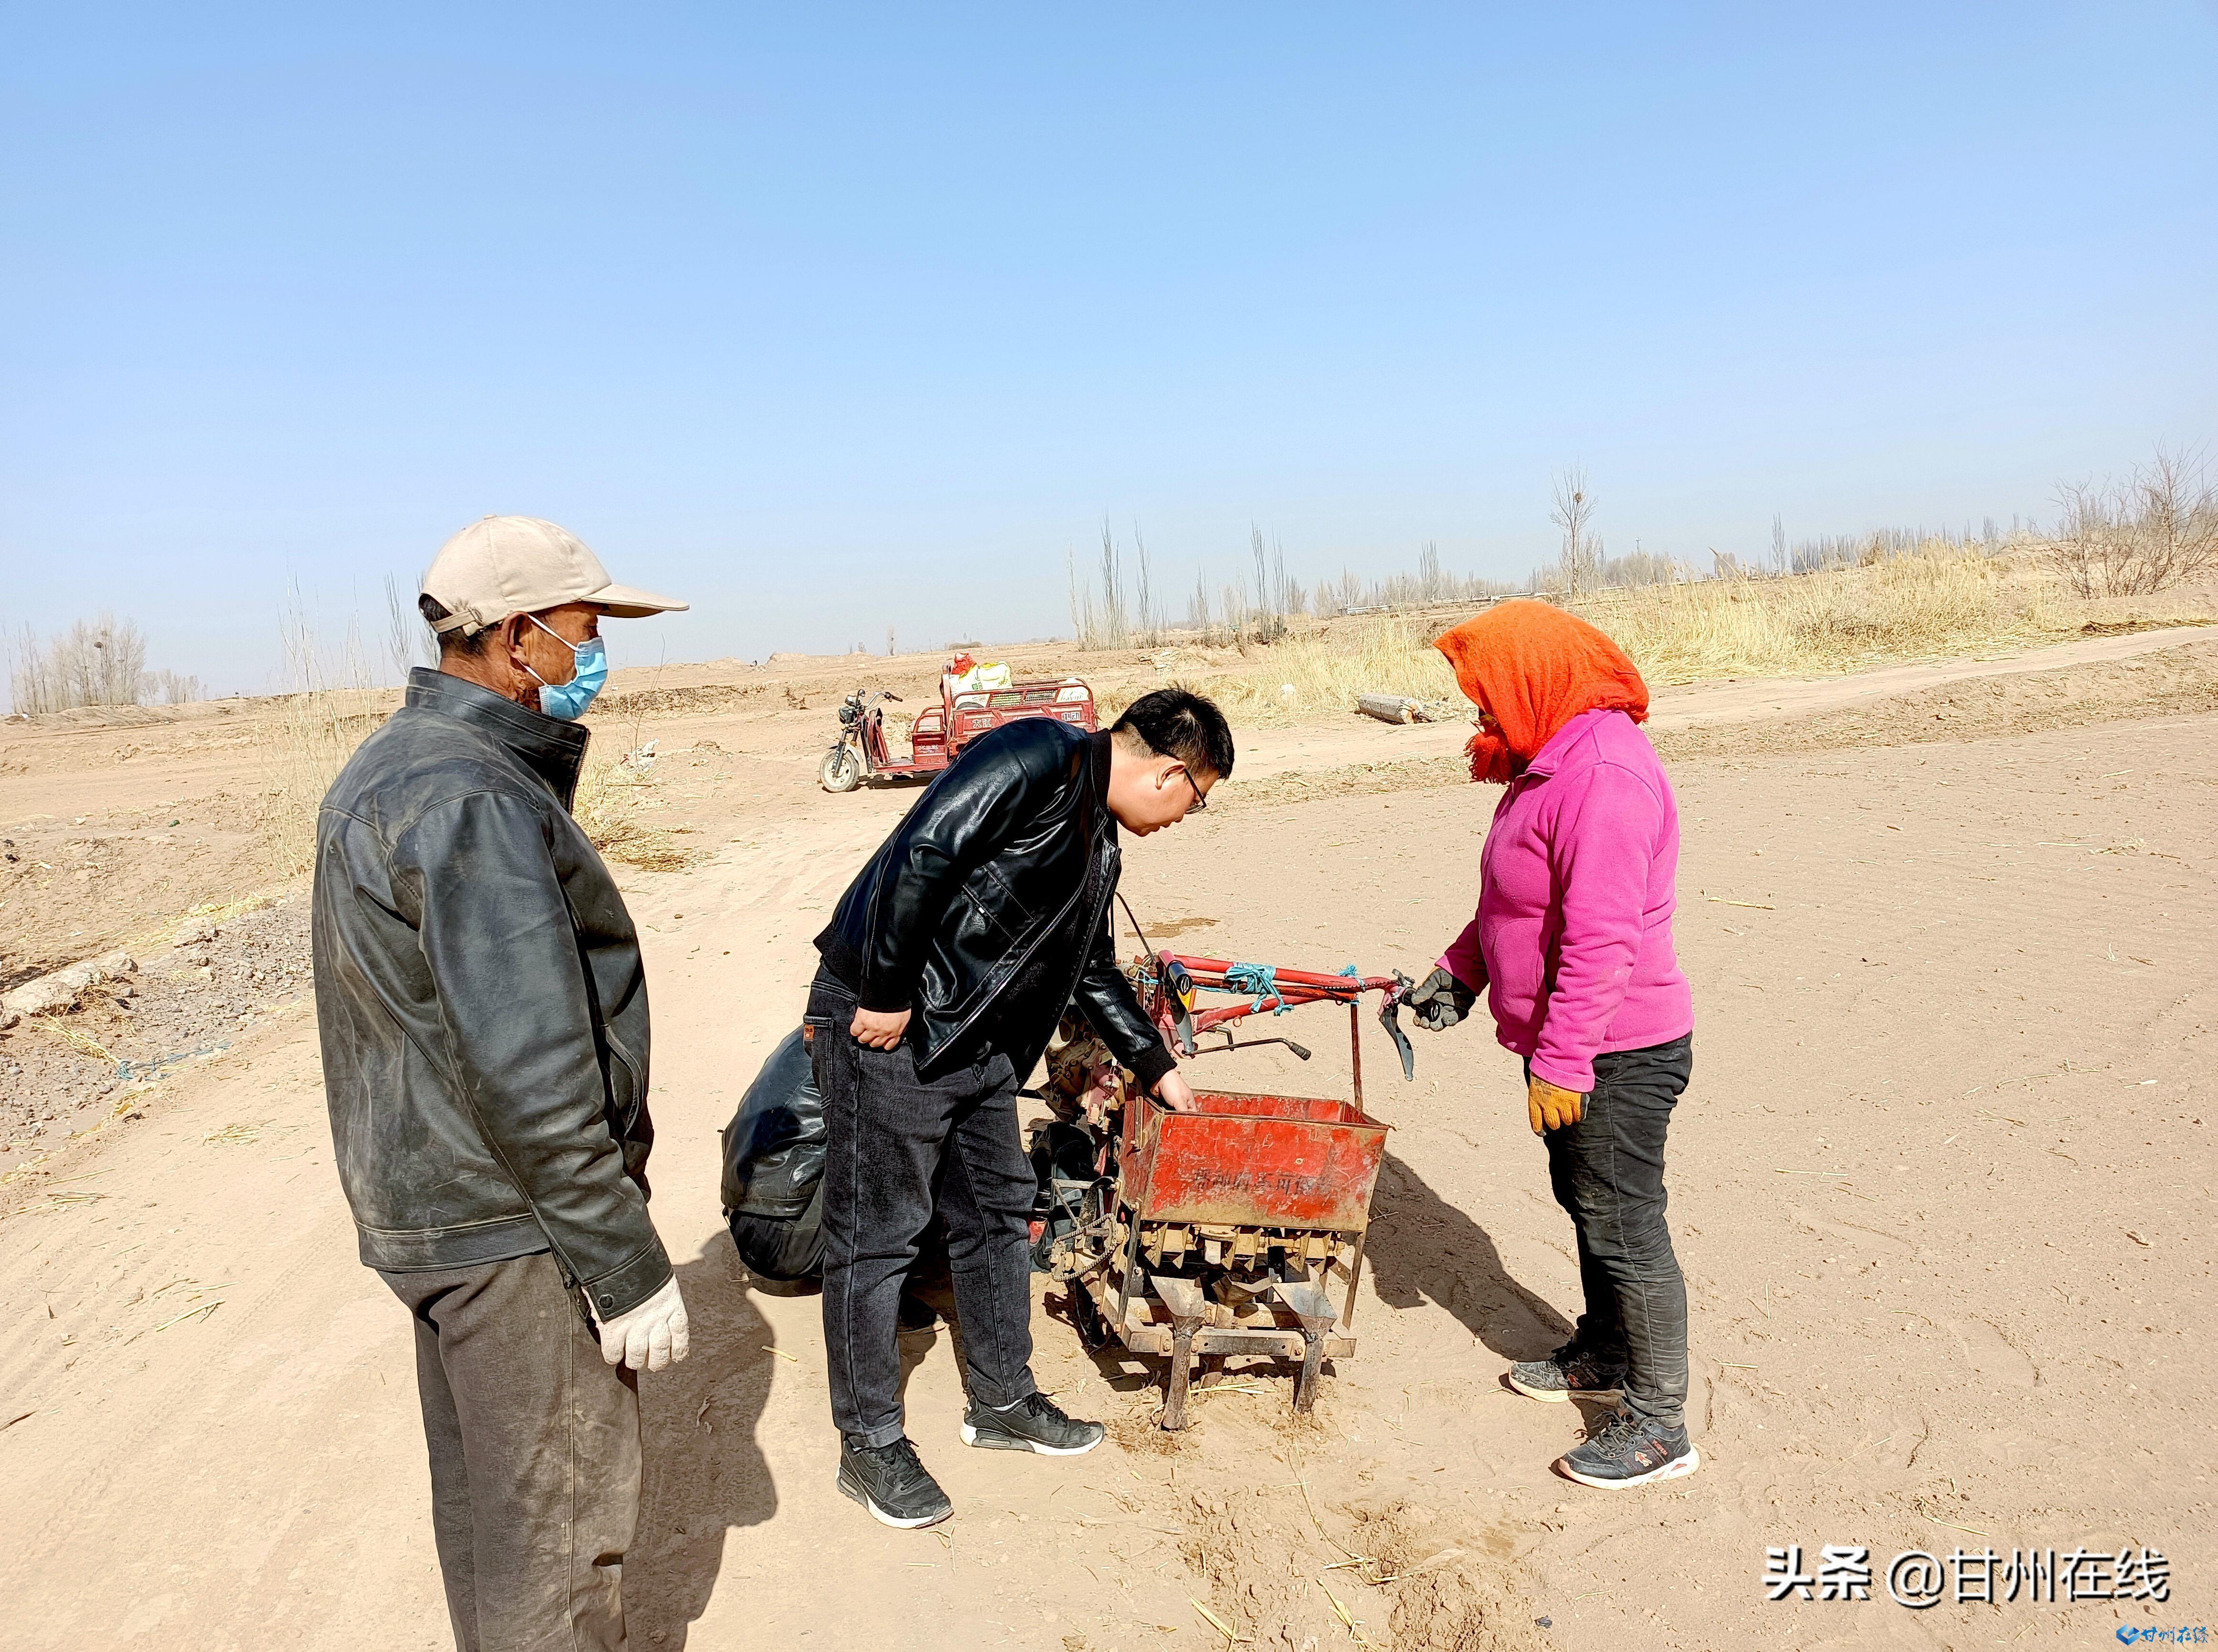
(613, 804)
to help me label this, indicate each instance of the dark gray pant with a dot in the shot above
(1607, 1172)
(535, 1457)
(897, 1147)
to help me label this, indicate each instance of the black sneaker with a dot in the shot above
(1567, 1371)
(1629, 1451)
(1035, 1423)
(893, 1483)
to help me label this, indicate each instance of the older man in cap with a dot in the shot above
(483, 1014)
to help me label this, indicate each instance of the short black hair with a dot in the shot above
(1179, 723)
(456, 644)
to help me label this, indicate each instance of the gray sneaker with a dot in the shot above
(1628, 1450)
(1567, 1371)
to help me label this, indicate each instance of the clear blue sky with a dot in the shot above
(831, 318)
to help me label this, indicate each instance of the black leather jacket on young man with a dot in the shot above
(481, 1002)
(986, 912)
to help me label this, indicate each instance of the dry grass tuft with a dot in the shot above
(311, 732)
(1939, 601)
(611, 805)
(311, 736)
(74, 1037)
(1927, 605)
(236, 1135)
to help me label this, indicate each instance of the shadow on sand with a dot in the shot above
(1422, 1248)
(705, 1476)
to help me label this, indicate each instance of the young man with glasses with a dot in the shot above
(945, 968)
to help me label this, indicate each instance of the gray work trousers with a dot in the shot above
(535, 1457)
(1606, 1172)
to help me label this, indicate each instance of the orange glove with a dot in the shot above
(1551, 1106)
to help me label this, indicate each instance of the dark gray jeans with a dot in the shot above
(535, 1457)
(897, 1149)
(1607, 1172)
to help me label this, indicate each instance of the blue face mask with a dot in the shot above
(567, 702)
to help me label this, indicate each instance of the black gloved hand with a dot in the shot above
(1440, 1001)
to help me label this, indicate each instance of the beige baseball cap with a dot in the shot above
(500, 566)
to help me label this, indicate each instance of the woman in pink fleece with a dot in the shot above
(1571, 945)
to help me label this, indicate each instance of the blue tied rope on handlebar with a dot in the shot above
(1261, 980)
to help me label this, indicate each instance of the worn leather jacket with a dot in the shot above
(481, 1002)
(985, 913)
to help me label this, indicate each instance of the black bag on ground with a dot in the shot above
(773, 1184)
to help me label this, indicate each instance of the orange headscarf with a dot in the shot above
(1532, 667)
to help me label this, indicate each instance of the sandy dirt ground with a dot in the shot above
(1942, 1186)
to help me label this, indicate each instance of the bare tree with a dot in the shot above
(1270, 621)
(1147, 620)
(30, 689)
(172, 689)
(2157, 529)
(1574, 514)
(1288, 595)
(1197, 606)
(1433, 585)
(109, 660)
(1115, 629)
(1105, 622)
(95, 663)
(2176, 510)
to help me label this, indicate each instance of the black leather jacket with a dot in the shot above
(986, 912)
(481, 1002)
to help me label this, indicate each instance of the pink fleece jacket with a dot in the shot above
(1572, 939)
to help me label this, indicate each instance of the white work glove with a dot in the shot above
(650, 1336)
